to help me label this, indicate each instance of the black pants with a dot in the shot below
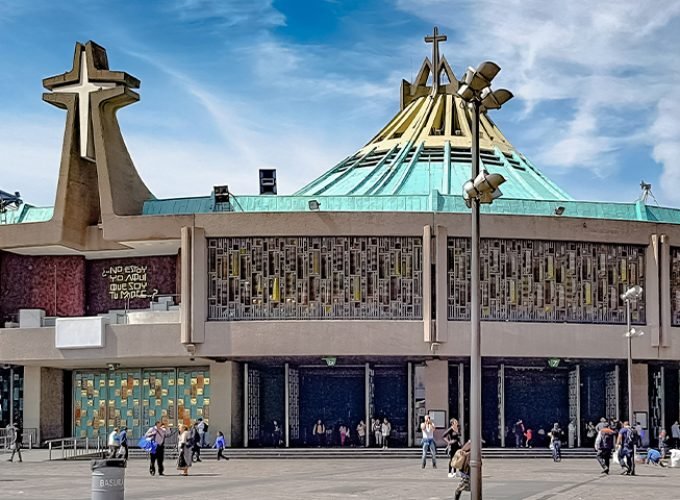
(157, 458)
(196, 452)
(603, 457)
(124, 447)
(220, 454)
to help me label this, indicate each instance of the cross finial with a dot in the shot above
(434, 39)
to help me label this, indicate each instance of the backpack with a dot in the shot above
(632, 439)
(607, 442)
(192, 437)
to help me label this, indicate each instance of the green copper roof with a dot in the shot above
(435, 202)
(27, 213)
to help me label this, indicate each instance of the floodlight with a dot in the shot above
(496, 99)
(559, 210)
(314, 204)
(634, 292)
(488, 70)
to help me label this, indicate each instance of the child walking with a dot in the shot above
(220, 444)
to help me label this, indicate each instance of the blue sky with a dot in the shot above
(230, 87)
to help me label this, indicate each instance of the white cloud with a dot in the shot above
(665, 135)
(227, 13)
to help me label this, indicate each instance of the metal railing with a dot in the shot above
(30, 439)
(70, 447)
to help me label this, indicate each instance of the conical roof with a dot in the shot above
(427, 147)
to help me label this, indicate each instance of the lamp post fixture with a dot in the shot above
(475, 90)
(633, 293)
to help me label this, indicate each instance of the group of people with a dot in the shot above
(524, 436)
(378, 433)
(191, 439)
(616, 439)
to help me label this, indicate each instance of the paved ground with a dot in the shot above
(378, 479)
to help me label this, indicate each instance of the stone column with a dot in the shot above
(44, 402)
(640, 388)
(225, 401)
(437, 390)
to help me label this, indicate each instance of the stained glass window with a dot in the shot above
(552, 281)
(315, 278)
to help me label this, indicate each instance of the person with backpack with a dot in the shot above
(627, 441)
(194, 442)
(604, 445)
(202, 429)
(556, 442)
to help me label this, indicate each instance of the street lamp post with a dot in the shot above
(481, 188)
(632, 293)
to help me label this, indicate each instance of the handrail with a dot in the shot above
(71, 447)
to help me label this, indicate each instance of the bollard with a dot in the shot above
(108, 479)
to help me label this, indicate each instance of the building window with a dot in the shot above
(675, 286)
(551, 281)
(315, 278)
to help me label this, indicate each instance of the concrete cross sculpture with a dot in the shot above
(90, 73)
(434, 39)
(92, 94)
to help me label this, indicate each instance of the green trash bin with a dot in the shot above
(108, 479)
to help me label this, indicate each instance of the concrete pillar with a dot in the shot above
(501, 402)
(411, 405)
(44, 401)
(641, 388)
(185, 272)
(199, 285)
(32, 395)
(225, 401)
(652, 290)
(665, 291)
(437, 390)
(428, 334)
(461, 401)
(441, 285)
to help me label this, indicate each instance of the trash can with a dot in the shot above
(108, 479)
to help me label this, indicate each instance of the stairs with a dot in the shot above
(366, 453)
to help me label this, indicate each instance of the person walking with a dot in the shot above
(122, 436)
(675, 434)
(377, 432)
(185, 452)
(202, 429)
(361, 433)
(519, 433)
(452, 438)
(158, 433)
(604, 446)
(15, 433)
(602, 424)
(591, 434)
(276, 434)
(663, 443)
(627, 441)
(195, 442)
(319, 433)
(114, 443)
(556, 442)
(385, 430)
(461, 462)
(220, 444)
(427, 427)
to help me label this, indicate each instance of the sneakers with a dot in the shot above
(451, 474)
(422, 466)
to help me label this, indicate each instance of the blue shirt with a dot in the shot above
(123, 438)
(219, 442)
(653, 455)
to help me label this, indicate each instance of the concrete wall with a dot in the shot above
(52, 403)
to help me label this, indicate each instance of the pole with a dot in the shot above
(630, 380)
(630, 365)
(475, 340)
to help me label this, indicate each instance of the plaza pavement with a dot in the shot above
(323, 479)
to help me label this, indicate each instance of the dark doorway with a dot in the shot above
(490, 423)
(272, 405)
(336, 395)
(391, 400)
(538, 396)
(671, 395)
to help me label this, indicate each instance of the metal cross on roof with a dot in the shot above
(434, 39)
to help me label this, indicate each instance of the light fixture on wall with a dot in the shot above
(314, 204)
(559, 210)
(330, 360)
(112, 366)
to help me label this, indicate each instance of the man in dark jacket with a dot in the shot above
(604, 445)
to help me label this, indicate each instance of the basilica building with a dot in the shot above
(347, 300)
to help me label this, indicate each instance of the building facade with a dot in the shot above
(348, 300)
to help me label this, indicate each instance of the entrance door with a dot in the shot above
(334, 395)
(537, 396)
